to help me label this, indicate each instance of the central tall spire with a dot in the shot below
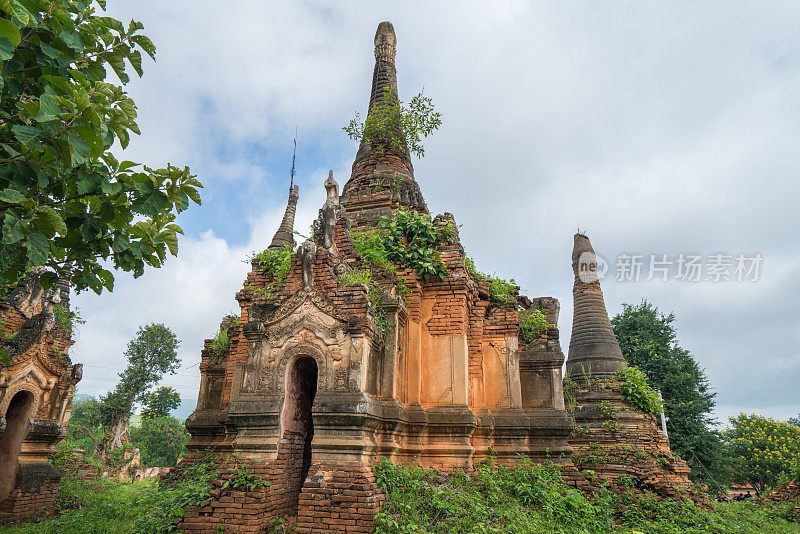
(382, 178)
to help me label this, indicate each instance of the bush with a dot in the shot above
(532, 322)
(145, 507)
(637, 392)
(160, 440)
(501, 290)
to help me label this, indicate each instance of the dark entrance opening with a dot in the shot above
(298, 424)
(17, 416)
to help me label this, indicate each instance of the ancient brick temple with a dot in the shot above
(321, 377)
(35, 396)
(310, 392)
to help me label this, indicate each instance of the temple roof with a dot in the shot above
(382, 177)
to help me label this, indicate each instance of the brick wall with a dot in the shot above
(21, 505)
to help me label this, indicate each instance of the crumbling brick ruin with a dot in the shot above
(35, 396)
(320, 378)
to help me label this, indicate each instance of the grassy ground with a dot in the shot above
(104, 506)
(528, 498)
(532, 498)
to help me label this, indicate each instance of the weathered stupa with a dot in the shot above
(614, 441)
(338, 359)
(35, 395)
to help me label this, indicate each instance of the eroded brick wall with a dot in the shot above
(24, 505)
(614, 442)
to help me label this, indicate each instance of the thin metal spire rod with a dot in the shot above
(294, 153)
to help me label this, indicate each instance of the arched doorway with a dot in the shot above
(17, 416)
(297, 425)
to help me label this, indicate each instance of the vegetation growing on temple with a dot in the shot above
(390, 124)
(532, 322)
(637, 392)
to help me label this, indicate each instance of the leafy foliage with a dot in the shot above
(161, 440)
(146, 507)
(66, 318)
(221, 341)
(276, 263)
(410, 239)
(532, 322)
(648, 341)
(160, 402)
(636, 391)
(390, 124)
(794, 421)
(531, 497)
(370, 246)
(85, 425)
(501, 291)
(243, 479)
(763, 449)
(67, 203)
(375, 295)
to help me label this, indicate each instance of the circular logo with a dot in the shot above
(591, 267)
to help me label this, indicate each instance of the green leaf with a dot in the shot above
(38, 249)
(116, 61)
(135, 58)
(53, 220)
(171, 240)
(25, 133)
(81, 149)
(151, 204)
(10, 31)
(12, 196)
(48, 110)
(145, 43)
(48, 50)
(111, 188)
(106, 278)
(73, 40)
(13, 228)
(89, 183)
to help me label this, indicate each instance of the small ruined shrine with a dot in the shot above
(35, 396)
(325, 372)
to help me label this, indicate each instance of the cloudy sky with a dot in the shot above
(656, 127)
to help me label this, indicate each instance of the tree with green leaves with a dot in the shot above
(794, 420)
(68, 204)
(161, 441)
(648, 341)
(85, 423)
(765, 451)
(151, 354)
(160, 402)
